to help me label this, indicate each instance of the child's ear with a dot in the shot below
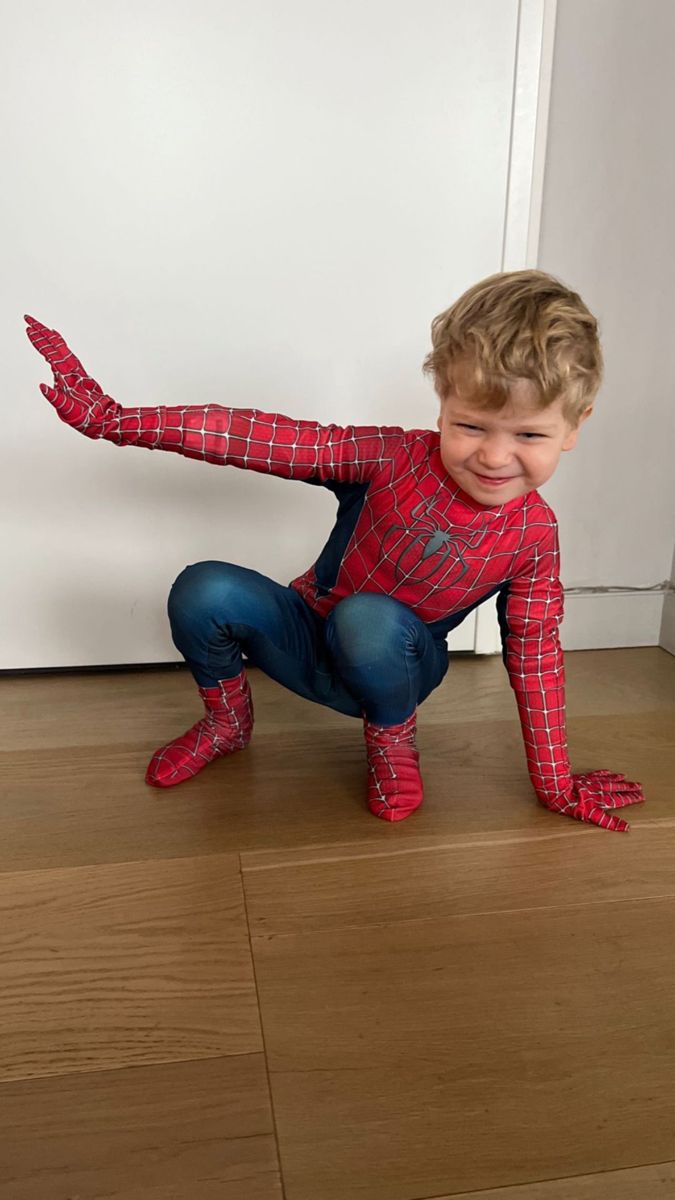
(439, 420)
(571, 439)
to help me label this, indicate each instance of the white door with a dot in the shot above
(245, 203)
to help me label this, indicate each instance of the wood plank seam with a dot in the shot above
(262, 1033)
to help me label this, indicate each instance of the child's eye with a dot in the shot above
(477, 429)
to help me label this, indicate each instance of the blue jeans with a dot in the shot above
(371, 654)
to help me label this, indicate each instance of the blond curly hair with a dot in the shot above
(519, 325)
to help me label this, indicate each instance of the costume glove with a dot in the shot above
(77, 398)
(590, 797)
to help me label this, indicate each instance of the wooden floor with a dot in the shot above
(248, 988)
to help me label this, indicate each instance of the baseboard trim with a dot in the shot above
(104, 668)
(593, 621)
(610, 621)
(599, 621)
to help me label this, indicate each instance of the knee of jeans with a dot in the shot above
(370, 627)
(199, 588)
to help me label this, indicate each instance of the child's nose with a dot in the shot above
(495, 452)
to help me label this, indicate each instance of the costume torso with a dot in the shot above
(412, 533)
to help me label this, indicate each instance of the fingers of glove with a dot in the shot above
(53, 348)
(589, 810)
(592, 813)
(614, 791)
(625, 795)
(65, 405)
(50, 393)
(40, 337)
(599, 777)
(599, 812)
(597, 815)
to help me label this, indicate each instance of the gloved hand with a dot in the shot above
(77, 398)
(592, 795)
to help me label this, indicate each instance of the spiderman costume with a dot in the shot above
(404, 530)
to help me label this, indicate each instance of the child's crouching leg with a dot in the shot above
(215, 610)
(199, 603)
(390, 661)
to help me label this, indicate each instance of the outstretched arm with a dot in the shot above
(239, 437)
(530, 611)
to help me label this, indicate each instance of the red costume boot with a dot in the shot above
(226, 727)
(394, 780)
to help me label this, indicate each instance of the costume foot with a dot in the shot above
(394, 781)
(227, 727)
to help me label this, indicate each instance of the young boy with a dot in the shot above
(429, 525)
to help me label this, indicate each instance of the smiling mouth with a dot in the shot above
(494, 478)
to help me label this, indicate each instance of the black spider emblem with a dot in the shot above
(425, 533)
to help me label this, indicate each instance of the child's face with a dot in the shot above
(519, 446)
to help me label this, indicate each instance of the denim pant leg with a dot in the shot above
(218, 609)
(385, 654)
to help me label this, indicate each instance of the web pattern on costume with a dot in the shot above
(530, 598)
(510, 549)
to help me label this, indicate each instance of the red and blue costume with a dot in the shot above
(404, 530)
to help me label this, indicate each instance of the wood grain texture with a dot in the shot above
(643, 1183)
(508, 873)
(122, 965)
(40, 711)
(482, 1049)
(86, 803)
(182, 1131)
(475, 1002)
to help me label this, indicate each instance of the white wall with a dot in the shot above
(230, 201)
(608, 230)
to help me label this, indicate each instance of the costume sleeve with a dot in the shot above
(530, 609)
(258, 441)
